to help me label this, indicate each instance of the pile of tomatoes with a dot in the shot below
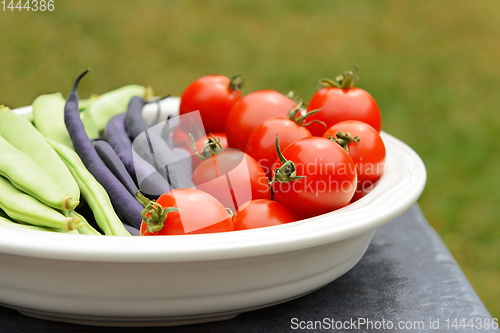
(266, 159)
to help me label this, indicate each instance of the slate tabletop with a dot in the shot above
(406, 282)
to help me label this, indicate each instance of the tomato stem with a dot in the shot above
(346, 80)
(153, 214)
(236, 82)
(344, 139)
(211, 147)
(294, 111)
(287, 172)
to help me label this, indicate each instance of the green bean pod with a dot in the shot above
(84, 104)
(86, 229)
(8, 223)
(30, 178)
(48, 117)
(23, 207)
(114, 102)
(89, 124)
(21, 134)
(95, 195)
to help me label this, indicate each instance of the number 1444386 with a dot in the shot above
(28, 5)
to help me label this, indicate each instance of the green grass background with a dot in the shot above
(432, 66)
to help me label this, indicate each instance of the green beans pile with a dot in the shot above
(28, 191)
(41, 176)
(38, 191)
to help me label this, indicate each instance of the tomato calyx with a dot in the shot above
(236, 82)
(287, 172)
(344, 139)
(346, 80)
(294, 111)
(211, 147)
(157, 214)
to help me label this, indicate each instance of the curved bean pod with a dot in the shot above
(30, 178)
(114, 164)
(48, 117)
(21, 134)
(117, 137)
(89, 124)
(94, 194)
(23, 207)
(112, 103)
(124, 203)
(134, 122)
(151, 183)
(9, 223)
(5, 220)
(86, 228)
(84, 104)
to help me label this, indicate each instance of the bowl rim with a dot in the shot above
(397, 190)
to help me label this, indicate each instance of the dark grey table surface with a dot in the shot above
(406, 282)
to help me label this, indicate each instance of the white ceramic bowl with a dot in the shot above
(153, 281)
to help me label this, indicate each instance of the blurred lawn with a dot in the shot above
(432, 66)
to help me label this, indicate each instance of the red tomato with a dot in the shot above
(202, 144)
(188, 219)
(262, 142)
(368, 154)
(251, 111)
(213, 96)
(341, 101)
(328, 177)
(233, 178)
(261, 213)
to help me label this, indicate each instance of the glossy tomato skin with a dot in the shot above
(368, 154)
(236, 169)
(199, 213)
(261, 144)
(261, 213)
(329, 182)
(251, 111)
(200, 143)
(214, 99)
(343, 104)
